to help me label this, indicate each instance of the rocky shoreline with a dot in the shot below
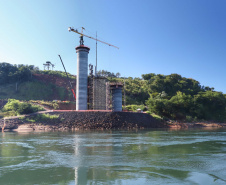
(74, 120)
(98, 120)
(176, 125)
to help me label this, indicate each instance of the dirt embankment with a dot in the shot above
(58, 81)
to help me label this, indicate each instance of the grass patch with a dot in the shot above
(40, 118)
(1, 114)
(155, 116)
(57, 73)
(49, 104)
(9, 113)
(33, 90)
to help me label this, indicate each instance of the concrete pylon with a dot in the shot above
(82, 77)
(116, 89)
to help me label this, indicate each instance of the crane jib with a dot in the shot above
(71, 29)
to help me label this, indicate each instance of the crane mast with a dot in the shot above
(81, 37)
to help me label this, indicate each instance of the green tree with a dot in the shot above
(105, 73)
(181, 106)
(20, 107)
(210, 105)
(15, 73)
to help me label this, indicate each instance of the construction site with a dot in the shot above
(92, 91)
(98, 103)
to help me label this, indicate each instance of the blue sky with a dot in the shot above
(187, 37)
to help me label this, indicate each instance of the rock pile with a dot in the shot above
(107, 120)
(88, 120)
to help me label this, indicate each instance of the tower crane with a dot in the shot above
(81, 37)
(82, 41)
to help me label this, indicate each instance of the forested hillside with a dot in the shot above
(175, 97)
(27, 82)
(169, 96)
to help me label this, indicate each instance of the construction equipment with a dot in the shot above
(81, 37)
(73, 92)
(47, 65)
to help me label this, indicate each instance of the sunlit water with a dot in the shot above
(114, 157)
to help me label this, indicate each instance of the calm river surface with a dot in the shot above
(114, 157)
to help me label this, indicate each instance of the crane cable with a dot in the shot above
(73, 92)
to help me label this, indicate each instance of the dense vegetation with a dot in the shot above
(105, 73)
(180, 98)
(169, 96)
(16, 107)
(15, 73)
(19, 73)
(56, 73)
(175, 97)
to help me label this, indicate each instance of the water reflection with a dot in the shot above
(114, 157)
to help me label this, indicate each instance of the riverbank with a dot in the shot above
(100, 120)
(176, 125)
(80, 120)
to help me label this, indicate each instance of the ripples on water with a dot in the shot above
(114, 157)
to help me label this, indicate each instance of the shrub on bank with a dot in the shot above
(15, 107)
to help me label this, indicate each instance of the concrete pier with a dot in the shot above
(82, 77)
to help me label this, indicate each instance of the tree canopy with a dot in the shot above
(105, 73)
(181, 98)
(15, 73)
(175, 97)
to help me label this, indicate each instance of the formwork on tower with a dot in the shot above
(90, 88)
(108, 96)
(97, 95)
(104, 95)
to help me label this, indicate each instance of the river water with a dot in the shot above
(114, 157)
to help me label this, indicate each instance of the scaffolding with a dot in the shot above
(47, 65)
(96, 91)
(99, 93)
(103, 95)
(90, 88)
(108, 96)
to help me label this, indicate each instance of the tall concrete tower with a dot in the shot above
(82, 76)
(82, 69)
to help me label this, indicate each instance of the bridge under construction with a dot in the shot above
(94, 92)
